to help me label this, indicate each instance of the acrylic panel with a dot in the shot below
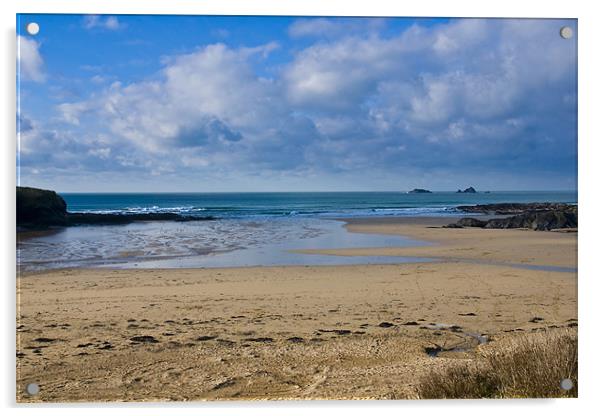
(273, 207)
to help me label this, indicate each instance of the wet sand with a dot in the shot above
(292, 332)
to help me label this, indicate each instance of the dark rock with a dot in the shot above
(471, 222)
(411, 323)
(386, 324)
(538, 221)
(40, 208)
(453, 225)
(433, 351)
(516, 208)
(295, 339)
(420, 191)
(469, 190)
(535, 216)
(536, 319)
(468, 314)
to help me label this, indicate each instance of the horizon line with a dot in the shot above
(307, 192)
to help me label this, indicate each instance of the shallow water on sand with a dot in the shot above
(221, 243)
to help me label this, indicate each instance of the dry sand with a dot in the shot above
(515, 246)
(333, 332)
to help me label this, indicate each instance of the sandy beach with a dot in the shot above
(512, 246)
(292, 332)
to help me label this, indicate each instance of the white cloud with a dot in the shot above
(470, 68)
(71, 112)
(470, 93)
(329, 27)
(31, 64)
(93, 21)
(98, 79)
(204, 100)
(112, 23)
(101, 152)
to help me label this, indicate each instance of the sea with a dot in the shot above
(305, 204)
(246, 229)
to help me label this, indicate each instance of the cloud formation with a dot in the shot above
(29, 60)
(102, 22)
(470, 97)
(330, 28)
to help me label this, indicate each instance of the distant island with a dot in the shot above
(469, 190)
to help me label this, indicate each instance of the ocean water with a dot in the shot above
(308, 204)
(250, 229)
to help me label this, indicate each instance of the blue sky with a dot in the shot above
(209, 104)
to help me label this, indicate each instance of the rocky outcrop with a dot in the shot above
(40, 208)
(471, 222)
(469, 190)
(516, 208)
(538, 221)
(420, 191)
(535, 220)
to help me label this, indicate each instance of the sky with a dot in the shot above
(227, 104)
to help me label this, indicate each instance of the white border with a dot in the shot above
(590, 68)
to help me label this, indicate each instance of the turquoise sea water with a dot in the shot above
(309, 204)
(250, 229)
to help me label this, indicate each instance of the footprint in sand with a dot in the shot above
(206, 337)
(145, 339)
(260, 339)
